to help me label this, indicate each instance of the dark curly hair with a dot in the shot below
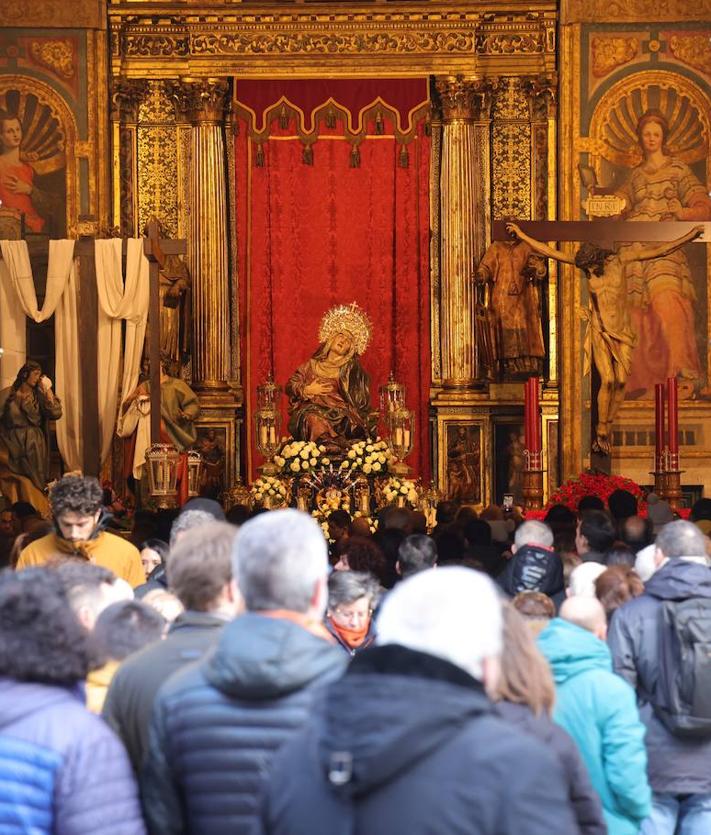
(76, 494)
(40, 638)
(591, 258)
(123, 628)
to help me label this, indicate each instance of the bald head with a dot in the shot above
(586, 612)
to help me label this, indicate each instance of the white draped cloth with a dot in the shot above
(19, 299)
(118, 301)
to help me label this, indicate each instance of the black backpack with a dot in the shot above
(682, 699)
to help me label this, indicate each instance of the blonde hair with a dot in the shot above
(525, 677)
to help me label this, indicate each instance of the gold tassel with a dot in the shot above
(308, 155)
(355, 157)
(283, 118)
(379, 125)
(259, 159)
(404, 157)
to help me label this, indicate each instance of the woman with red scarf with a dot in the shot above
(352, 596)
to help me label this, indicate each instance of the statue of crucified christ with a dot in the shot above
(611, 333)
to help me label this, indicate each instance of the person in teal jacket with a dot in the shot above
(598, 709)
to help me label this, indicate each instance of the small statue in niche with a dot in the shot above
(329, 394)
(514, 270)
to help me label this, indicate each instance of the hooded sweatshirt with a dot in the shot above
(597, 708)
(62, 771)
(217, 724)
(676, 765)
(409, 743)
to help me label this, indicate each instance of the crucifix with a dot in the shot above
(155, 249)
(605, 267)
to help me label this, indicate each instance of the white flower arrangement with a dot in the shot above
(371, 457)
(268, 487)
(298, 457)
(398, 488)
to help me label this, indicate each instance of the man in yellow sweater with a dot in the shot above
(79, 520)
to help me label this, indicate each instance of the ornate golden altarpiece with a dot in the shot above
(493, 72)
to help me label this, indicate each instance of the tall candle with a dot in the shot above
(535, 417)
(659, 423)
(527, 414)
(673, 416)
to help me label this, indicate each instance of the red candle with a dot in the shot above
(535, 417)
(659, 423)
(527, 415)
(673, 415)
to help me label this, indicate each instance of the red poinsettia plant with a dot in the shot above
(594, 483)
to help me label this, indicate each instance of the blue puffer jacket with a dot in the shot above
(598, 709)
(217, 724)
(62, 770)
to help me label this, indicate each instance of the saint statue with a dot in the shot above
(611, 335)
(26, 407)
(179, 409)
(514, 270)
(329, 395)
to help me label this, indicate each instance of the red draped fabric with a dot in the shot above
(314, 236)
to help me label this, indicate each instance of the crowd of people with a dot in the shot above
(212, 673)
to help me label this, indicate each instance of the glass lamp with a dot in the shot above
(267, 424)
(162, 467)
(401, 423)
(392, 396)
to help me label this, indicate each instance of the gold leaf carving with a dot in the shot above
(610, 53)
(694, 50)
(512, 166)
(634, 11)
(508, 43)
(511, 101)
(58, 56)
(157, 173)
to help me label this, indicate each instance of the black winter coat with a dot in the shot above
(129, 702)
(217, 724)
(409, 743)
(534, 568)
(676, 765)
(583, 797)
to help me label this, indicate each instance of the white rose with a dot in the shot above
(313, 462)
(326, 461)
(367, 468)
(279, 461)
(351, 453)
(344, 465)
(304, 465)
(322, 448)
(304, 453)
(294, 467)
(359, 461)
(376, 467)
(258, 496)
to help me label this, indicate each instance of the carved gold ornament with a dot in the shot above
(610, 53)
(57, 55)
(349, 318)
(694, 50)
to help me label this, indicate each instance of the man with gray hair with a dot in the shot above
(416, 553)
(535, 566)
(216, 725)
(660, 644)
(407, 740)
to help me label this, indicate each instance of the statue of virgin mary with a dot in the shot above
(329, 394)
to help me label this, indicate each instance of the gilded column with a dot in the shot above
(206, 101)
(463, 220)
(126, 98)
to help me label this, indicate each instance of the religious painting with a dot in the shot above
(650, 134)
(32, 164)
(508, 460)
(211, 444)
(463, 464)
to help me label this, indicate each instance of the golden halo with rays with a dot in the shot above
(43, 139)
(346, 317)
(683, 105)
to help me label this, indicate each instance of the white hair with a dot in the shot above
(586, 612)
(533, 533)
(582, 579)
(453, 613)
(278, 558)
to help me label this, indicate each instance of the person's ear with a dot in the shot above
(514, 548)
(398, 568)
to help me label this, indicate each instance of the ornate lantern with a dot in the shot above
(392, 396)
(401, 423)
(162, 466)
(194, 472)
(267, 424)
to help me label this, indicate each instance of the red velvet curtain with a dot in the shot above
(312, 236)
